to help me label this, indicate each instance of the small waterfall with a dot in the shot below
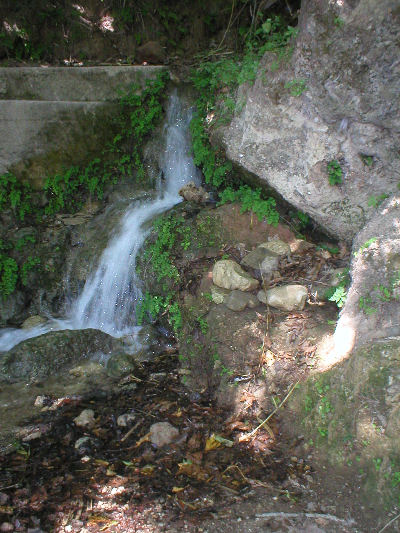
(110, 295)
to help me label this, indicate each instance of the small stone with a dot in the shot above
(287, 298)
(300, 245)
(6, 526)
(229, 275)
(33, 322)
(125, 420)
(85, 419)
(42, 401)
(158, 376)
(29, 433)
(163, 433)
(255, 258)
(277, 247)
(239, 300)
(219, 294)
(192, 193)
(3, 498)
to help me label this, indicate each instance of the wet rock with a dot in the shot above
(261, 259)
(33, 322)
(120, 364)
(12, 308)
(229, 275)
(239, 300)
(287, 298)
(49, 354)
(125, 420)
(219, 294)
(163, 433)
(192, 193)
(85, 419)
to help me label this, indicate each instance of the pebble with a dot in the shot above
(3, 498)
(125, 419)
(6, 526)
(163, 433)
(85, 419)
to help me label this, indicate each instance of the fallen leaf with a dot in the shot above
(177, 489)
(193, 470)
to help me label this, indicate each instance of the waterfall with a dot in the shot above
(111, 293)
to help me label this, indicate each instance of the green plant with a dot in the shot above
(8, 275)
(368, 160)
(365, 246)
(15, 195)
(335, 172)
(375, 201)
(364, 304)
(27, 266)
(338, 22)
(251, 200)
(296, 87)
(338, 294)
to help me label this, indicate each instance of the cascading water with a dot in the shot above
(111, 293)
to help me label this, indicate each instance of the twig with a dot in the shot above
(246, 437)
(227, 28)
(9, 486)
(330, 517)
(389, 523)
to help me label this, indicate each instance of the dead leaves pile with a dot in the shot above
(50, 481)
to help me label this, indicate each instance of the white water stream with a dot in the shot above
(110, 295)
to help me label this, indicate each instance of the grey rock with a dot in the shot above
(372, 309)
(276, 246)
(53, 352)
(219, 294)
(239, 300)
(349, 109)
(163, 433)
(85, 419)
(125, 420)
(261, 259)
(229, 275)
(287, 297)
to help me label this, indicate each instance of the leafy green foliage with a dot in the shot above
(338, 294)
(296, 87)
(216, 82)
(375, 201)
(335, 172)
(251, 200)
(8, 275)
(15, 195)
(29, 265)
(140, 111)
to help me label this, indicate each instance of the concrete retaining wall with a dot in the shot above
(58, 116)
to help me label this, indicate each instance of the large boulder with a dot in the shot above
(335, 100)
(50, 354)
(372, 308)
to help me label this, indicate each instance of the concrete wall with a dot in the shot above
(58, 116)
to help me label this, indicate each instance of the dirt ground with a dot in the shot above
(213, 476)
